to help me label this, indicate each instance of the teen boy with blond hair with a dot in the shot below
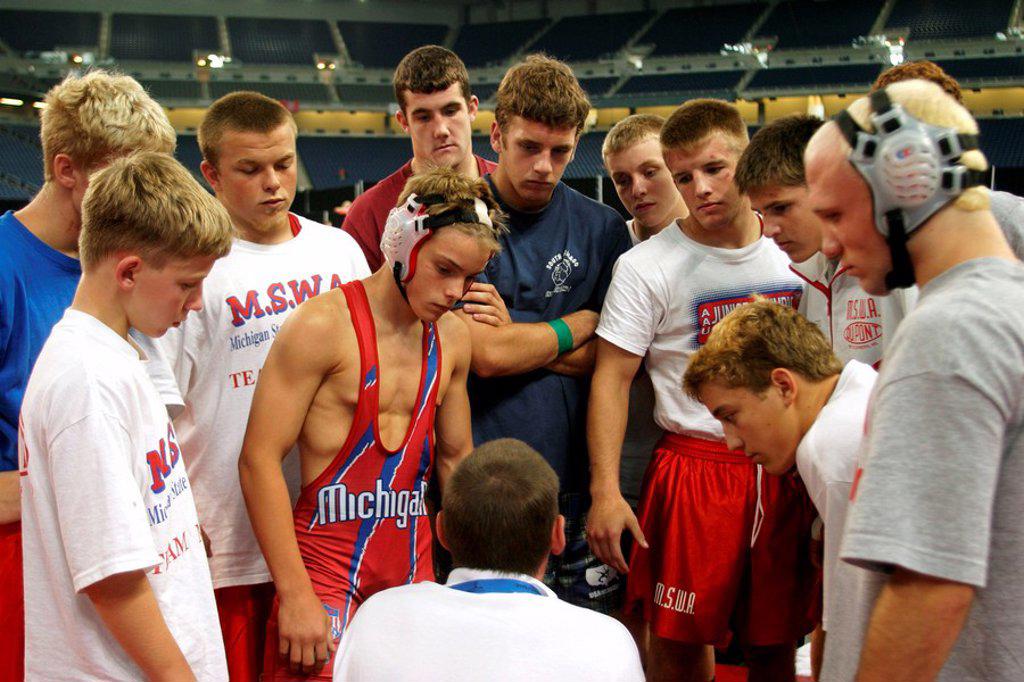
(115, 567)
(277, 261)
(770, 377)
(531, 377)
(706, 511)
(632, 157)
(87, 121)
(771, 174)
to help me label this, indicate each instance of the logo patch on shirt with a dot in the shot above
(561, 266)
(710, 309)
(859, 331)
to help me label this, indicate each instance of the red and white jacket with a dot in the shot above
(858, 324)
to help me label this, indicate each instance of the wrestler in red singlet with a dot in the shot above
(362, 524)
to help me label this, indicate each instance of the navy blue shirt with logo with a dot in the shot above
(552, 263)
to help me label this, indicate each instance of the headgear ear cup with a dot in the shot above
(409, 226)
(912, 170)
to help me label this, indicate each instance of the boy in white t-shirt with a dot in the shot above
(771, 172)
(116, 577)
(277, 261)
(784, 398)
(702, 505)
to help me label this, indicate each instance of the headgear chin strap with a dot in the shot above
(912, 169)
(409, 226)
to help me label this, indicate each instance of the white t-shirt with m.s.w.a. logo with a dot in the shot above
(666, 296)
(216, 356)
(104, 492)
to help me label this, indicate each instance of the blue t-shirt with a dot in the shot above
(552, 263)
(37, 283)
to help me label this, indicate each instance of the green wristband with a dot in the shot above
(564, 335)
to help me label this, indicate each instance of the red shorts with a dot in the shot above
(244, 611)
(701, 580)
(12, 603)
(276, 667)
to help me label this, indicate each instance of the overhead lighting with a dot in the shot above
(39, 105)
(11, 101)
(77, 58)
(214, 61)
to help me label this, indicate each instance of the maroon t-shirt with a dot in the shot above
(369, 212)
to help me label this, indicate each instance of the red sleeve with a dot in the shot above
(363, 224)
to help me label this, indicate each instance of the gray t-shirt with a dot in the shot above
(942, 488)
(1008, 210)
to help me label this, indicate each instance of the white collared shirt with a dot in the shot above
(429, 631)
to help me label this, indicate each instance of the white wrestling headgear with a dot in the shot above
(912, 169)
(409, 226)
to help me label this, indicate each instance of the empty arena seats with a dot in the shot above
(21, 155)
(178, 89)
(484, 91)
(338, 161)
(493, 43)
(859, 76)
(706, 83)
(187, 152)
(279, 41)
(365, 93)
(589, 37)
(378, 44)
(31, 31)
(598, 85)
(696, 30)
(938, 19)
(817, 23)
(303, 92)
(994, 69)
(1002, 140)
(161, 37)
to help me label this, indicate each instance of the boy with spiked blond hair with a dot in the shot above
(706, 510)
(88, 120)
(115, 567)
(770, 377)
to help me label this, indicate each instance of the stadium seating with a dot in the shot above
(833, 76)
(31, 31)
(598, 86)
(166, 90)
(709, 83)
(988, 70)
(816, 23)
(339, 161)
(584, 38)
(696, 30)
(1002, 140)
(21, 154)
(940, 19)
(187, 152)
(376, 44)
(279, 41)
(303, 92)
(170, 38)
(365, 93)
(482, 44)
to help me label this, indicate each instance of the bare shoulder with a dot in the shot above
(317, 332)
(454, 330)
